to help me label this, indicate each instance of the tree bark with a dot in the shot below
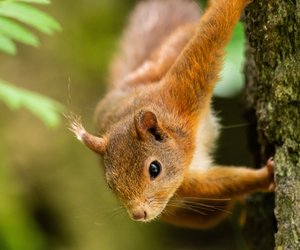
(273, 90)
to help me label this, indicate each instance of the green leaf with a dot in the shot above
(17, 32)
(43, 107)
(29, 15)
(31, 1)
(7, 45)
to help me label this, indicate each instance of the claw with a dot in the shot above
(270, 168)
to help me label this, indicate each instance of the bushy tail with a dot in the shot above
(149, 25)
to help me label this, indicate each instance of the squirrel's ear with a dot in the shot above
(146, 126)
(97, 144)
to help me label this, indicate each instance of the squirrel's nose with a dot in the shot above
(139, 215)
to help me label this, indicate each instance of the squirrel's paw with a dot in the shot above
(270, 166)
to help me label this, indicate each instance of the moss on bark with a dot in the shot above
(273, 87)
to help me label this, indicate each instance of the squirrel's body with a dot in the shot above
(156, 124)
(148, 21)
(147, 33)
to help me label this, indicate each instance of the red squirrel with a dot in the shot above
(156, 126)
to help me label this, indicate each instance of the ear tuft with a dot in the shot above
(76, 127)
(146, 125)
(97, 144)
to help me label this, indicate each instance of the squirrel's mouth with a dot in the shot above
(139, 215)
(143, 216)
(144, 212)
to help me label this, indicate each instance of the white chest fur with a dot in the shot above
(207, 133)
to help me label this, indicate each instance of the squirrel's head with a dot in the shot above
(143, 162)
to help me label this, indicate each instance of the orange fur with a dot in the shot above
(158, 110)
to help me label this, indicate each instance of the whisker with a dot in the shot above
(196, 204)
(118, 210)
(213, 207)
(114, 212)
(181, 205)
(187, 208)
(193, 204)
(202, 204)
(202, 207)
(240, 125)
(183, 200)
(204, 199)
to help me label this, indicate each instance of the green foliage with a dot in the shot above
(43, 107)
(13, 16)
(17, 230)
(14, 31)
(232, 75)
(7, 45)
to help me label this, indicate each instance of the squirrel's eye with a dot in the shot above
(154, 169)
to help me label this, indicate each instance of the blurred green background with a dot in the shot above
(52, 193)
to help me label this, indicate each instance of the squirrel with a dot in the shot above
(156, 127)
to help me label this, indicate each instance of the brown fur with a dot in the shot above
(158, 109)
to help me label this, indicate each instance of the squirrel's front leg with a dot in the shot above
(206, 197)
(228, 182)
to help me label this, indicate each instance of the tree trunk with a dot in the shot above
(273, 90)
